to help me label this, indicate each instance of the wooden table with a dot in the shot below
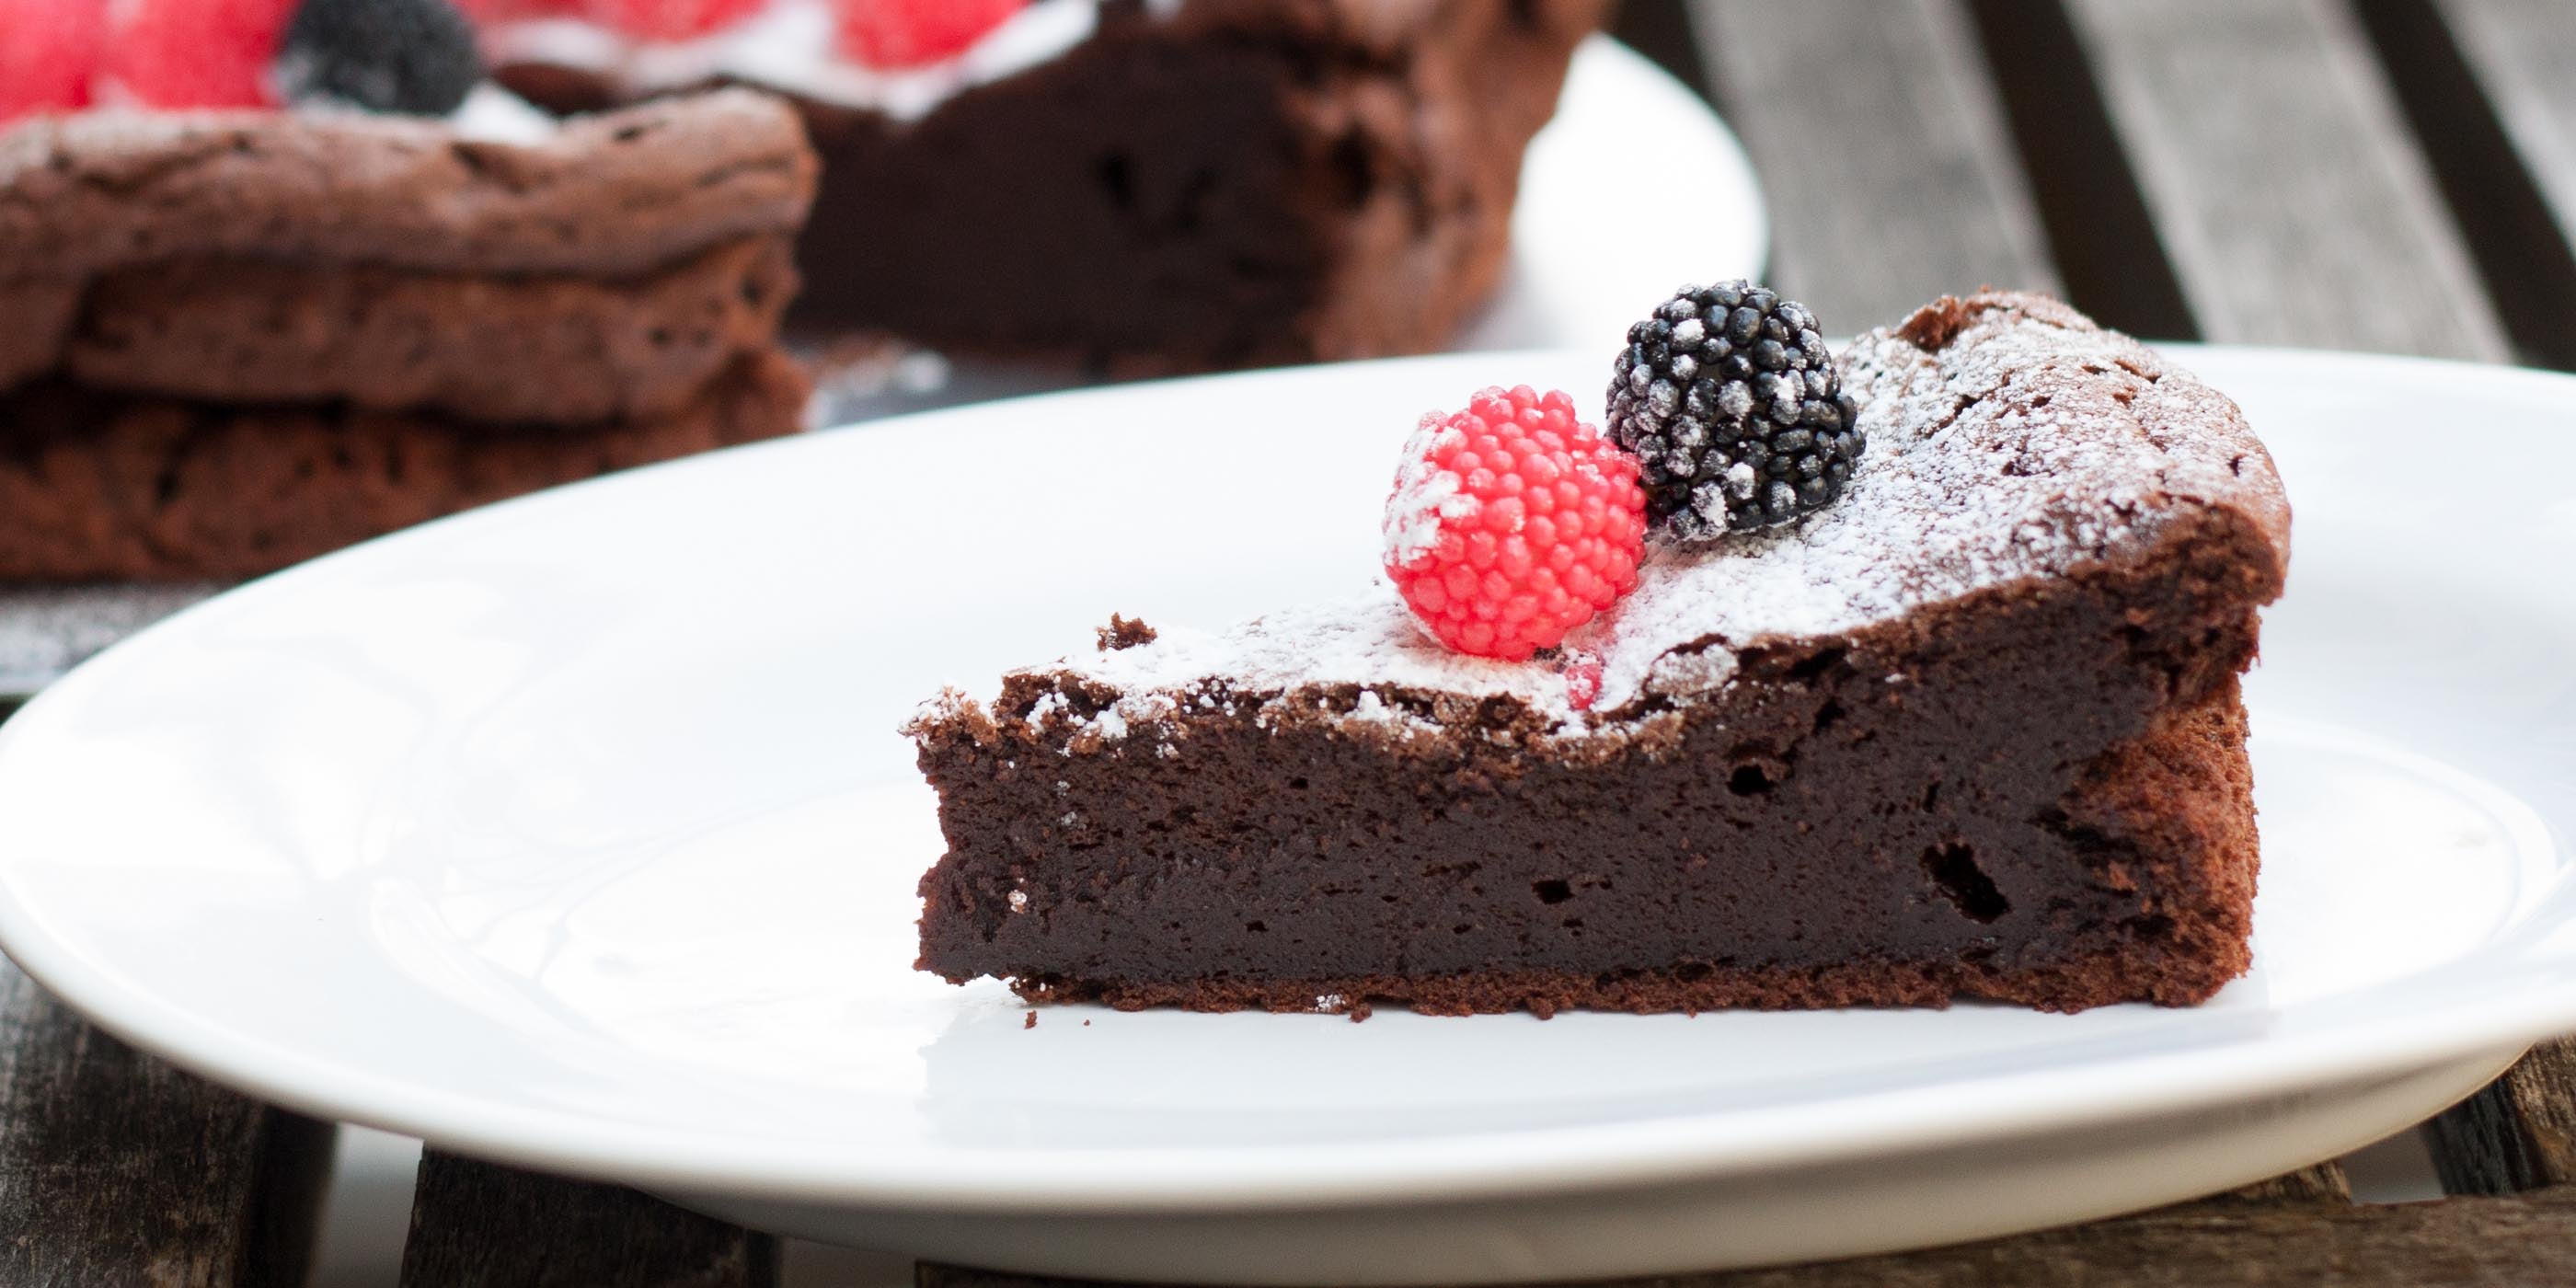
(2230, 170)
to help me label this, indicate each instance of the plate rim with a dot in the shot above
(1644, 1151)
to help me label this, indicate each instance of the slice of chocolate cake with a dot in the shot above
(1130, 185)
(1972, 731)
(243, 338)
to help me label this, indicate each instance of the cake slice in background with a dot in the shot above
(242, 338)
(1130, 186)
(1971, 728)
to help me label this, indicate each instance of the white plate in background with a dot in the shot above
(1634, 188)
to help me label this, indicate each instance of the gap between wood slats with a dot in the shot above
(2521, 250)
(482, 1225)
(2090, 205)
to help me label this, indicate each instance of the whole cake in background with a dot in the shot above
(1129, 185)
(1807, 680)
(283, 276)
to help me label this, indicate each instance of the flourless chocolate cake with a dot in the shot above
(1974, 731)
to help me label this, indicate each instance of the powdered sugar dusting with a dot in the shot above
(2009, 439)
(1370, 641)
(1425, 494)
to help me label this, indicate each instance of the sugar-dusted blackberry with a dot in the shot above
(412, 56)
(1734, 410)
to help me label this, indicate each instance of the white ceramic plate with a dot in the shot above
(576, 832)
(1585, 261)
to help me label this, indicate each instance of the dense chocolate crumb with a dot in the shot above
(1124, 632)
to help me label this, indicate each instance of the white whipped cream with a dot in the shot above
(789, 46)
(491, 114)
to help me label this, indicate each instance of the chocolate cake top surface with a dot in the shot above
(2009, 439)
(618, 193)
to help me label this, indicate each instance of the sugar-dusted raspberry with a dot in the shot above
(49, 49)
(910, 33)
(669, 20)
(195, 53)
(1512, 523)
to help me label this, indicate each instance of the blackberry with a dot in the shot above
(412, 56)
(1734, 410)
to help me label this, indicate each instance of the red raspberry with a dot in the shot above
(672, 19)
(911, 33)
(196, 53)
(48, 51)
(1512, 523)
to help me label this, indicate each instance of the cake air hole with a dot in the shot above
(1953, 867)
(1748, 780)
(1552, 891)
(1815, 665)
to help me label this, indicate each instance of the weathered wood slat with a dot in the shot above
(477, 1225)
(117, 1169)
(2287, 191)
(2519, 1133)
(1876, 131)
